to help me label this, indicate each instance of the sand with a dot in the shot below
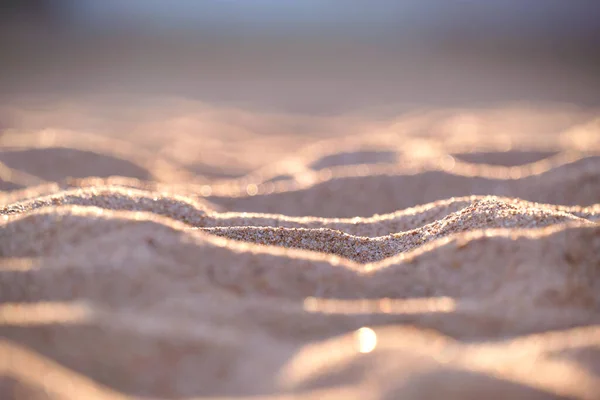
(187, 251)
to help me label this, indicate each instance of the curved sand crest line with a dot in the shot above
(413, 153)
(482, 214)
(117, 198)
(53, 188)
(385, 224)
(414, 157)
(564, 255)
(155, 293)
(51, 164)
(199, 214)
(134, 160)
(405, 143)
(354, 196)
(295, 175)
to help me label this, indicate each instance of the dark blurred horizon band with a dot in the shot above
(306, 54)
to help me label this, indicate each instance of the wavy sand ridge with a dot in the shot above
(438, 255)
(482, 214)
(400, 162)
(172, 277)
(196, 257)
(351, 195)
(200, 214)
(396, 188)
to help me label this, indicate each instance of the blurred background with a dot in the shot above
(309, 56)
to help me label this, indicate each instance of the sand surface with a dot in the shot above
(176, 250)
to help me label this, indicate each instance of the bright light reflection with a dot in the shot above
(42, 313)
(366, 339)
(380, 306)
(252, 189)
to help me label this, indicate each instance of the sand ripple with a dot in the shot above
(387, 265)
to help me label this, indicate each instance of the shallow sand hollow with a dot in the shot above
(191, 252)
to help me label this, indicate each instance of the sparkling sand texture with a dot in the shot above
(173, 250)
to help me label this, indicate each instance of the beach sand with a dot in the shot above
(177, 250)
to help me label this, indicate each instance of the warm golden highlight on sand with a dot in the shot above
(189, 252)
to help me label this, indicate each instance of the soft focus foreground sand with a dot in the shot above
(176, 250)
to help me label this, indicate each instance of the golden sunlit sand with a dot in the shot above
(188, 251)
